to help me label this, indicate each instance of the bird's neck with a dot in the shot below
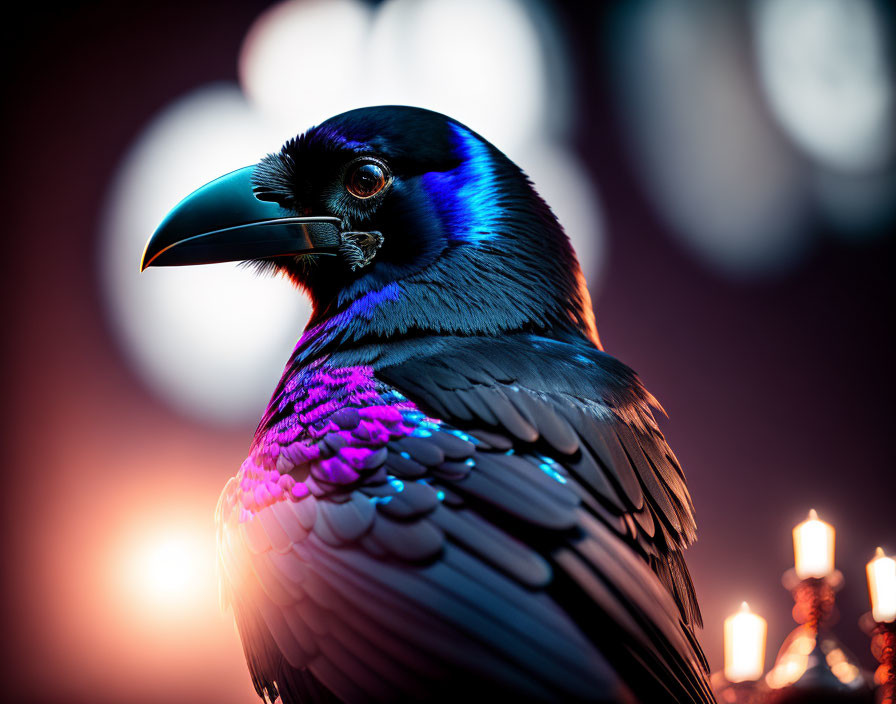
(490, 301)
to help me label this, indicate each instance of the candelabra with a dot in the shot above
(812, 666)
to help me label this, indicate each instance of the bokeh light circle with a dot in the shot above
(303, 61)
(212, 340)
(825, 70)
(711, 160)
(169, 571)
(480, 61)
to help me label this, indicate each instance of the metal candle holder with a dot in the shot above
(812, 665)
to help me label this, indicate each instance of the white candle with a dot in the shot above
(882, 587)
(744, 645)
(813, 547)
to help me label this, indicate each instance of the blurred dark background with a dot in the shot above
(737, 162)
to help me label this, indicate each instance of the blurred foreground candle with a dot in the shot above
(744, 645)
(882, 587)
(813, 547)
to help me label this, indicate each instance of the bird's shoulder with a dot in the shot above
(563, 398)
(569, 400)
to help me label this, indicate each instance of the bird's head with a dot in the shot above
(395, 220)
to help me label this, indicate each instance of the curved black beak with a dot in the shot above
(223, 221)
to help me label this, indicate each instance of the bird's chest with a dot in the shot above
(330, 432)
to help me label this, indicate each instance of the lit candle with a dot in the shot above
(744, 645)
(813, 547)
(882, 587)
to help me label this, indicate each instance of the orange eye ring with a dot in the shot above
(366, 178)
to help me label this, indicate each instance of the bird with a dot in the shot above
(454, 491)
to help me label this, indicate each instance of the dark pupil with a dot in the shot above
(367, 180)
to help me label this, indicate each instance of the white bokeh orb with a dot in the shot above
(712, 162)
(480, 61)
(825, 70)
(211, 340)
(303, 61)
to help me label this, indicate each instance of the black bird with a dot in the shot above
(454, 492)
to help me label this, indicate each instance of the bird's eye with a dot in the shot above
(366, 179)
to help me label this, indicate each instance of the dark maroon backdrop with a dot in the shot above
(778, 392)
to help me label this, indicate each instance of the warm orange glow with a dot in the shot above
(793, 659)
(813, 547)
(882, 587)
(167, 569)
(108, 629)
(744, 645)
